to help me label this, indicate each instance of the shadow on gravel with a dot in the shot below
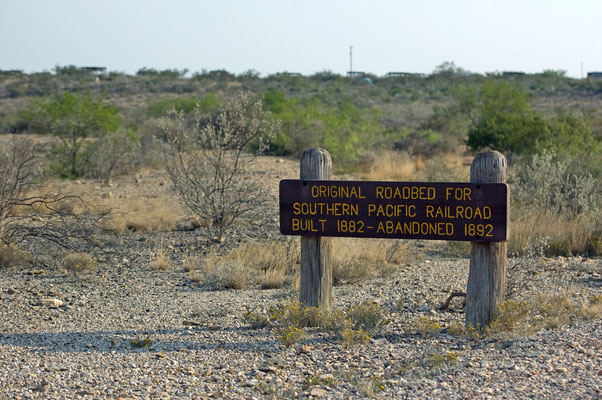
(137, 341)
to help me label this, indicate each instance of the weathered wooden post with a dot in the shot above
(315, 288)
(487, 275)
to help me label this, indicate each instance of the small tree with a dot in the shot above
(18, 171)
(74, 118)
(208, 163)
(24, 214)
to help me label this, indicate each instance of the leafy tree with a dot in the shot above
(75, 118)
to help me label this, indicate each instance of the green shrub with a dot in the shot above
(206, 104)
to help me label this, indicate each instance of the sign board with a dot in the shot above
(476, 212)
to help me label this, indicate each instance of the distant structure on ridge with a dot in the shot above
(594, 75)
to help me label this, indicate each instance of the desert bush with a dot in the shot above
(505, 121)
(272, 264)
(19, 168)
(550, 184)
(593, 308)
(80, 263)
(542, 311)
(508, 316)
(255, 319)
(558, 198)
(208, 164)
(522, 272)
(294, 313)
(113, 154)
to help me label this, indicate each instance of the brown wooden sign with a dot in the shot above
(397, 210)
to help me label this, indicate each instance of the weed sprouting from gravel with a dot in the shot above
(353, 337)
(290, 335)
(424, 326)
(367, 316)
(439, 359)
(160, 260)
(254, 319)
(317, 380)
(80, 263)
(371, 386)
(140, 343)
(291, 317)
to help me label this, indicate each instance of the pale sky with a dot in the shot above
(305, 36)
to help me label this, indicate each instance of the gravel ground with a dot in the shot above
(199, 346)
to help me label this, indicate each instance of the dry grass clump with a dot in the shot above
(160, 260)
(80, 263)
(455, 249)
(355, 260)
(269, 265)
(159, 214)
(565, 236)
(12, 256)
(593, 308)
(391, 165)
(228, 275)
(401, 166)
